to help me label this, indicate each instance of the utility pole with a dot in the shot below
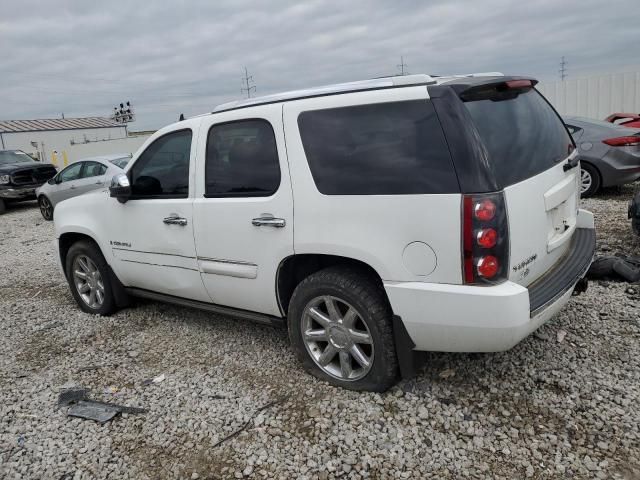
(563, 69)
(402, 66)
(247, 81)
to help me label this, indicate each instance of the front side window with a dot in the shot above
(163, 168)
(93, 169)
(242, 160)
(72, 172)
(390, 148)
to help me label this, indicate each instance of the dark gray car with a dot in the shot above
(609, 154)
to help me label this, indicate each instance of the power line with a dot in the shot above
(247, 81)
(402, 66)
(563, 69)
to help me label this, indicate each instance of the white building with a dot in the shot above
(595, 96)
(63, 140)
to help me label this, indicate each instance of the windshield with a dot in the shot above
(7, 157)
(120, 162)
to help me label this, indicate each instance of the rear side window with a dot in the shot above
(379, 149)
(523, 135)
(242, 160)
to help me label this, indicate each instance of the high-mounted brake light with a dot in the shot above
(626, 141)
(485, 238)
(519, 84)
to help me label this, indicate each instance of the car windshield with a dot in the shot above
(7, 157)
(120, 162)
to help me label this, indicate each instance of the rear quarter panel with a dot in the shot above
(375, 229)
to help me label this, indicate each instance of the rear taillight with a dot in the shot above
(485, 238)
(627, 141)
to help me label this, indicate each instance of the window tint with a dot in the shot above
(72, 172)
(163, 168)
(386, 148)
(242, 160)
(93, 169)
(523, 135)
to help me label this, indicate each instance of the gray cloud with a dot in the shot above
(174, 57)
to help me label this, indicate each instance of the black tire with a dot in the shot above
(46, 209)
(3, 207)
(596, 181)
(367, 297)
(89, 249)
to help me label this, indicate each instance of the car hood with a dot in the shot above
(18, 166)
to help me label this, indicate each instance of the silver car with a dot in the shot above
(609, 154)
(78, 178)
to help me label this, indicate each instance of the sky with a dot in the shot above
(82, 58)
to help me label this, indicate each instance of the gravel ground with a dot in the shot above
(545, 409)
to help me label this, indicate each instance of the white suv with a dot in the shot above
(376, 219)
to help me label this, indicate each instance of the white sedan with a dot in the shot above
(78, 178)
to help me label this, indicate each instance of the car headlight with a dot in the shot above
(4, 179)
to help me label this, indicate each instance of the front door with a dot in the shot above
(243, 210)
(152, 233)
(68, 178)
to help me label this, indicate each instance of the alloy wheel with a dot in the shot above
(585, 181)
(337, 338)
(46, 208)
(88, 281)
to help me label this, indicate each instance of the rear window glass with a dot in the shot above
(523, 135)
(378, 149)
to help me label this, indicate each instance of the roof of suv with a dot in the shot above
(362, 85)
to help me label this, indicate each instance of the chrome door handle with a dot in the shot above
(268, 220)
(174, 219)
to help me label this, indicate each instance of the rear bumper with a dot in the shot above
(462, 318)
(18, 193)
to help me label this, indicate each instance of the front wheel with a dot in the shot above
(88, 277)
(3, 207)
(340, 328)
(46, 209)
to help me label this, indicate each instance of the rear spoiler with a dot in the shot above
(478, 88)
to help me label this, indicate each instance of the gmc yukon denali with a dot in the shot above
(375, 220)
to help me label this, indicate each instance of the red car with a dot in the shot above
(631, 120)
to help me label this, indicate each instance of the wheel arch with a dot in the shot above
(67, 239)
(293, 269)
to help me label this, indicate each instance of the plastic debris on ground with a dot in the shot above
(83, 407)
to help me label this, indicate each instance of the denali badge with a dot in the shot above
(119, 244)
(525, 262)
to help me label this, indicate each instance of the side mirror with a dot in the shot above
(120, 187)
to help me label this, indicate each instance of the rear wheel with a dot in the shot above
(340, 329)
(88, 277)
(46, 209)
(589, 180)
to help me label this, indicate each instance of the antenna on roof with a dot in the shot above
(181, 117)
(247, 80)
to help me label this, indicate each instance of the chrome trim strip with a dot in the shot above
(151, 253)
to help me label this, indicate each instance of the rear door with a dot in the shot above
(533, 159)
(243, 210)
(92, 177)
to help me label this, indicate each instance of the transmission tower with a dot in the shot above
(563, 69)
(247, 81)
(402, 67)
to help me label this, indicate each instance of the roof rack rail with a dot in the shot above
(373, 84)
